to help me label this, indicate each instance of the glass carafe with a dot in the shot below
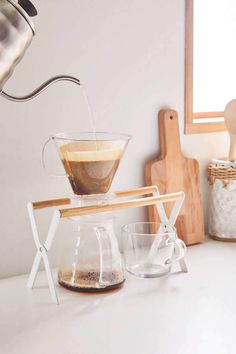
(91, 260)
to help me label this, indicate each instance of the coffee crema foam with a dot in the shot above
(92, 151)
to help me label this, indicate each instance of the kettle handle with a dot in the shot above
(41, 88)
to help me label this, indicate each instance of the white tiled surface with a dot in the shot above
(192, 313)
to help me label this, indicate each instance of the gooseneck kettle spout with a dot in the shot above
(41, 88)
(16, 33)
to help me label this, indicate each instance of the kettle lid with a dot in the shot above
(28, 7)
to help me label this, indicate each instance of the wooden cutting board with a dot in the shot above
(173, 172)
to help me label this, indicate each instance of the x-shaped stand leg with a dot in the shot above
(169, 222)
(42, 251)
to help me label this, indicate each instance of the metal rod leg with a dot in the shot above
(183, 265)
(50, 278)
(34, 270)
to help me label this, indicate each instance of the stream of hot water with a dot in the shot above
(90, 112)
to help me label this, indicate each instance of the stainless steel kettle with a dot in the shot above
(16, 33)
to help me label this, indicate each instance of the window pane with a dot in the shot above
(214, 48)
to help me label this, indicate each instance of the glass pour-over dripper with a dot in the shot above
(90, 160)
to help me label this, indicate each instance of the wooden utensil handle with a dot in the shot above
(232, 149)
(95, 209)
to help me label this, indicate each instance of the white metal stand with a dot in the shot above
(171, 222)
(42, 251)
(44, 248)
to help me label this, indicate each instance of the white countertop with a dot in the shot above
(193, 313)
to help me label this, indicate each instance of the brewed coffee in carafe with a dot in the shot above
(91, 260)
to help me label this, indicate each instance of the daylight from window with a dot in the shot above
(214, 64)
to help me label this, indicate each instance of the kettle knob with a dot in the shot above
(28, 7)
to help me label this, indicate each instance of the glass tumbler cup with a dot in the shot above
(150, 248)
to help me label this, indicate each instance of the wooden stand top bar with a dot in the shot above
(109, 207)
(95, 209)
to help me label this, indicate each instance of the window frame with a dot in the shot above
(190, 126)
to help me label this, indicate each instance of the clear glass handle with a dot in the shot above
(179, 250)
(43, 159)
(104, 243)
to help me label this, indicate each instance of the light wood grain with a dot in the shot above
(197, 128)
(50, 203)
(215, 114)
(188, 64)
(110, 207)
(118, 194)
(230, 122)
(172, 172)
(136, 191)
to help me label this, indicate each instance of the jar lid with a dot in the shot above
(223, 162)
(222, 169)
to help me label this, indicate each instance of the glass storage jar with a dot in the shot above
(222, 208)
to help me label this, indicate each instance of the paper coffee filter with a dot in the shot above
(92, 150)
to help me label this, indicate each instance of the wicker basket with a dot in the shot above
(222, 212)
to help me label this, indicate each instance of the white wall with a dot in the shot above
(130, 56)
